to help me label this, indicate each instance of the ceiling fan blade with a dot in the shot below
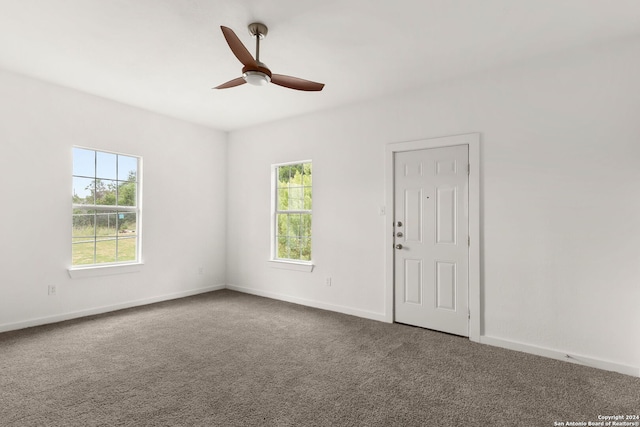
(295, 83)
(238, 49)
(231, 83)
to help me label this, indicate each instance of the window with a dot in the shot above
(106, 208)
(291, 237)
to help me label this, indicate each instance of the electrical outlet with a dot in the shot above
(327, 281)
(52, 289)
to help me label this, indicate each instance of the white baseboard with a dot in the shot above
(560, 355)
(311, 303)
(105, 309)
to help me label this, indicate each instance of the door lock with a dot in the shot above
(398, 246)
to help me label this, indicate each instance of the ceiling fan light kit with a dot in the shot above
(256, 78)
(255, 72)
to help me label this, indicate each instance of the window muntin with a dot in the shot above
(292, 213)
(106, 211)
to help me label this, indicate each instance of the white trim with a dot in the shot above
(140, 214)
(561, 355)
(105, 309)
(473, 141)
(310, 303)
(291, 265)
(111, 208)
(97, 270)
(119, 153)
(291, 163)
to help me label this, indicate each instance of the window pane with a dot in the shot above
(305, 250)
(294, 225)
(283, 225)
(82, 251)
(307, 198)
(127, 168)
(105, 165)
(305, 229)
(83, 224)
(83, 190)
(126, 247)
(283, 176)
(106, 250)
(294, 248)
(106, 224)
(283, 199)
(126, 193)
(84, 162)
(283, 247)
(307, 174)
(296, 198)
(127, 223)
(105, 192)
(295, 173)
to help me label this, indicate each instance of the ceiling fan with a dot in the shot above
(255, 72)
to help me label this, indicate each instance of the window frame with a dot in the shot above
(102, 268)
(287, 263)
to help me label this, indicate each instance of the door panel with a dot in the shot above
(413, 215)
(431, 225)
(446, 285)
(446, 201)
(412, 281)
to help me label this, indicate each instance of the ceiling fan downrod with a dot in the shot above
(259, 31)
(258, 50)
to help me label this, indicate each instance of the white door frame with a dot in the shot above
(473, 141)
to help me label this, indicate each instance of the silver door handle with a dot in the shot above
(398, 246)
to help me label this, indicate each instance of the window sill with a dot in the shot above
(104, 270)
(295, 266)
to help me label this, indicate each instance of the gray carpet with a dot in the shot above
(230, 359)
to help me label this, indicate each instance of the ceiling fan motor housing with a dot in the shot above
(257, 76)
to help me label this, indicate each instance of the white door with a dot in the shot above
(431, 238)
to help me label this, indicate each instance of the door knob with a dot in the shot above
(398, 246)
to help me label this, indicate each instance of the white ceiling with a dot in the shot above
(166, 55)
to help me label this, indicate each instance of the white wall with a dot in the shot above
(560, 209)
(184, 202)
(560, 200)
